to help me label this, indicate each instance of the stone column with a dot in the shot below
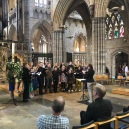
(98, 45)
(57, 46)
(60, 46)
(26, 31)
(89, 48)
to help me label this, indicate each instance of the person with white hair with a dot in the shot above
(99, 109)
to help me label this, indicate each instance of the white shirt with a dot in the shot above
(126, 69)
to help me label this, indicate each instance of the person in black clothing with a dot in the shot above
(41, 70)
(89, 79)
(63, 78)
(62, 64)
(99, 109)
(55, 74)
(70, 79)
(78, 75)
(70, 66)
(26, 81)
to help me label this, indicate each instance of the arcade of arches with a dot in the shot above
(92, 34)
(82, 31)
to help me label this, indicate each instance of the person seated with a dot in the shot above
(55, 120)
(99, 109)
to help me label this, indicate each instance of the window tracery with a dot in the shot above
(114, 26)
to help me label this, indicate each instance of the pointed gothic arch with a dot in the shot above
(40, 24)
(66, 7)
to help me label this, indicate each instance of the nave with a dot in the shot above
(24, 115)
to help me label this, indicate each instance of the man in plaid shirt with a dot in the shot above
(55, 120)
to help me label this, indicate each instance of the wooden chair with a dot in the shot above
(118, 80)
(105, 78)
(126, 81)
(89, 125)
(98, 78)
(123, 118)
(105, 121)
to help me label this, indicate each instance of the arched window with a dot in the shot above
(43, 44)
(114, 26)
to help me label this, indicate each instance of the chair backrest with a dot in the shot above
(105, 76)
(119, 77)
(105, 123)
(89, 125)
(122, 115)
(127, 78)
(124, 118)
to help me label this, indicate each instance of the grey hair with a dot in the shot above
(100, 90)
(58, 104)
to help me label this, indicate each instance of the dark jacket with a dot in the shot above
(26, 77)
(99, 109)
(70, 77)
(42, 70)
(79, 74)
(89, 76)
(55, 75)
(70, 66)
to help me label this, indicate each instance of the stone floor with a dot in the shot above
(24, 115)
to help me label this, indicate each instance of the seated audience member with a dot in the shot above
(55, 120)
(99, 109)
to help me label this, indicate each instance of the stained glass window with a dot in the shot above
(114, 26)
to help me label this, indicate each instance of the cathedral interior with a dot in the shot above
(82, 31)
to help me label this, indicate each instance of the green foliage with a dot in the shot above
(13, 70)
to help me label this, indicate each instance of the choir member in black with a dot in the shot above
(55, 74)
(70, 79)
(63, 77)
(48, 71)
(70, 66)
(78, 75)
(26, 80)
(41, 70)
(62, 64)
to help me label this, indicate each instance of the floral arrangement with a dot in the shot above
(14, 70)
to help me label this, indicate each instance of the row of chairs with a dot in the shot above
(120, 121)
(120, 80)
(102, 78)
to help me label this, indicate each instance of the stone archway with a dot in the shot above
(40, 24)
(63, 10)
(79, 53)
(113, 60)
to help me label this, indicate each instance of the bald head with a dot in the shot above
(58, 104)
(100, 90)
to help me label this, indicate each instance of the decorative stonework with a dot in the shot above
(43, 9)
(3, 60)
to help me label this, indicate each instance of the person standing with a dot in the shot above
(70, 79)
(89, 78)
(63, 78)
(55, 74)
(78, 75)
(41, 70)
(48, 78)
(26, 81)
(126, 70)
(55, 120)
